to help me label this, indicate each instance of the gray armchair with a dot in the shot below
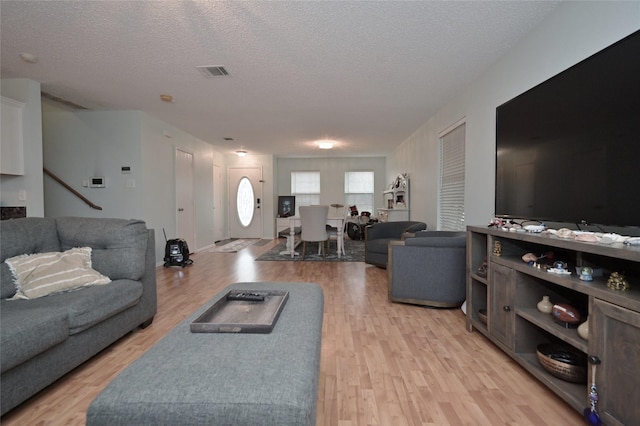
(428, 269)
(378, 235)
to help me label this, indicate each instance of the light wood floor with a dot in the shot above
(382, 363)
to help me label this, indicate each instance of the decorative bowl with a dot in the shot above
(482, 314)
(563, 362)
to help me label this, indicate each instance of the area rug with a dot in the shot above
(354, 252)
(235, 245)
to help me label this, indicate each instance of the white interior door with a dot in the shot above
(218, 209)
(184, 198)
(245, 199)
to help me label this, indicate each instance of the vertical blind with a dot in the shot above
(306, 187)
(359, 189)
(451, 191)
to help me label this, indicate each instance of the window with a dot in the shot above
(451, 191)
(358, 190)
(306, 187)
(244, 202)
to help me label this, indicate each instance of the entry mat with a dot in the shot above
(242, 311)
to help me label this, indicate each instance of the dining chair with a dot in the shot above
(313, 220)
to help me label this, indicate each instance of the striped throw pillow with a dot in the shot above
(42, 274)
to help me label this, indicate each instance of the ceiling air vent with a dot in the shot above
(213, 71)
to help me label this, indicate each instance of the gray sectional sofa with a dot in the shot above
(42, 339)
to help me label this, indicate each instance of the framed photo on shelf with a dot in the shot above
(286, 205)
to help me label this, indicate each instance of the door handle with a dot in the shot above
(180, 210)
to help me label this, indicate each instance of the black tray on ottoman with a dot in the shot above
(242, 311)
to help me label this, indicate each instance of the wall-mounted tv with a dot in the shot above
(568, 150)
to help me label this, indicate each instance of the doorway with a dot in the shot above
(185, 227)
(218, 204)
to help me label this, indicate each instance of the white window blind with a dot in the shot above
(359, 190)
(306, 187)
(451, 191)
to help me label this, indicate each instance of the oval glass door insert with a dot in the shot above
(244, 202)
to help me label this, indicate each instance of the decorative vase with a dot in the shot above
(545, 305)
(583, 330)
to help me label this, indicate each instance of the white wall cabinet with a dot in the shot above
(11, 140)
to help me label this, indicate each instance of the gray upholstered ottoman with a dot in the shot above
(224, 378)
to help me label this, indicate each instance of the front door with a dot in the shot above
(245, 199)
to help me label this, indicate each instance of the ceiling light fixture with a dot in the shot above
(326, 144)
(241, 153)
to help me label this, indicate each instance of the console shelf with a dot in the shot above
(511, 290)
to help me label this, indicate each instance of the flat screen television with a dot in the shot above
(568, 150)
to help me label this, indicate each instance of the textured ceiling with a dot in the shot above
(365, 73)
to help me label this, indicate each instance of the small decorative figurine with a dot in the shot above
(617, 281)
(560, 265)
(497, 248)
(560, 268)
(586, 273)
(591, 412)
(482, 269)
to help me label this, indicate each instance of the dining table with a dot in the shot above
(333, 220)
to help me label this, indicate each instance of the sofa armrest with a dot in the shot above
(437, 241)
(149, 300)
(391, 229)
(428, 234)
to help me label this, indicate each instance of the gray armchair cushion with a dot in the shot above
(437, 239)
(118, 251)
(89, 306)
(378, 236)
(428, 269)
(392, 229)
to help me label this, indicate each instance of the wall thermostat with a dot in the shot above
(97, 182)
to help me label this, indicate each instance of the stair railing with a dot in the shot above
(70, 189)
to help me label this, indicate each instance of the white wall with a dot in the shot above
(27, 92)
(573, 32)
(332, 176)
(159, 143)
(81, 144)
